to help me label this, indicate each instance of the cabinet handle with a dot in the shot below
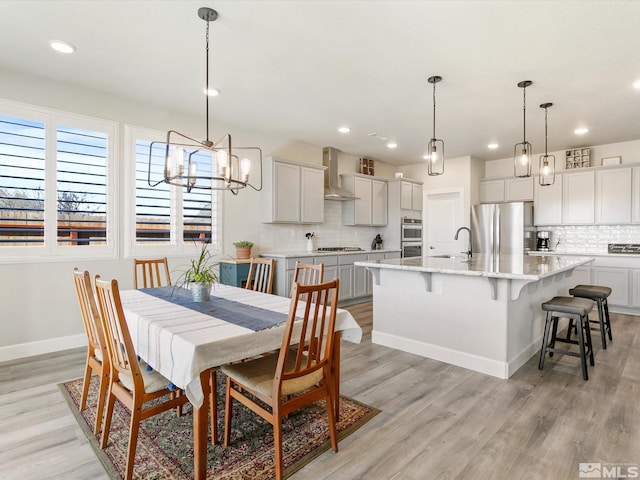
(432, 248)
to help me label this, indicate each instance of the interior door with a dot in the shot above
(443, 216)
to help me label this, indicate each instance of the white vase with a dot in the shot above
(310, 245)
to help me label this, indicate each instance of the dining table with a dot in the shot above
(183, 340)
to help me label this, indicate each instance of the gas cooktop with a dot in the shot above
(339, 249)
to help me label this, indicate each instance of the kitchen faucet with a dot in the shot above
(468, 252)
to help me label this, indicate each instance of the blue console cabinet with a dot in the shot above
(234, 272)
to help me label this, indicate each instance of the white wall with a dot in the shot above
(629, 151)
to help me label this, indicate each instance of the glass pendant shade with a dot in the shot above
(522, 150)
(435, 147)
(547, 173)
(203, 164)
(435, 157)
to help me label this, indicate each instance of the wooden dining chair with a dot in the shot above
(307, 274)
(97, 357)
(260, 276)
(129, 382)
(151, 273)
(297, 375)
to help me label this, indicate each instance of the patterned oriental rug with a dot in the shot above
(165, 442)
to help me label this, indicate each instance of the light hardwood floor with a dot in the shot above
(437, 421)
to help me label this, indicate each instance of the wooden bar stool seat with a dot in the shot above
(576, 309)
(598, 294)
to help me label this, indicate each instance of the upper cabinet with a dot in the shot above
(292, 192)
(613, 196)
(578, 195)
(405, 194)
(548, 203)
(370, 207)
(635, 195)
(506, 190)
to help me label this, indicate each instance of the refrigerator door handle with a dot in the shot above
(496, 230)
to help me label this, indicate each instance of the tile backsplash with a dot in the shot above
(592, 239)
(291, 237)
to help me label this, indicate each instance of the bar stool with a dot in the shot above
(576, 309)
(598, 294)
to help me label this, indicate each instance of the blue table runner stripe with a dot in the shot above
(240, 314)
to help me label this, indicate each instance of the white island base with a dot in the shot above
(465, 314)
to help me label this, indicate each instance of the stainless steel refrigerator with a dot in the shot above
(503, 228)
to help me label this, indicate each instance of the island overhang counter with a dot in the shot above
(483, 314)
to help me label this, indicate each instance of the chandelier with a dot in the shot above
(522, 150)
(204, 164)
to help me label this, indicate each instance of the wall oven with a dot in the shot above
(411, 249)
(411, 237)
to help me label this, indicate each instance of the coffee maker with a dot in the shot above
(543, 242)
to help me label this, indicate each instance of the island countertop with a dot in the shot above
(514, 267)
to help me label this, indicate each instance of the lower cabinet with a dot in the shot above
(635, 288)
(355, 281)
(615, 278)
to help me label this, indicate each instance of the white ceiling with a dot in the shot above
(300, 69)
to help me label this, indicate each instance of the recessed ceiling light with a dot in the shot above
(493, 146)
(62, 46)
(636, 84)
(212, 92)
(581, 131)
(392, 145)
(344, 129)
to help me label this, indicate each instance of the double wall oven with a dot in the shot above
(411, 237)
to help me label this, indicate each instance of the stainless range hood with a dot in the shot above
(331, 189)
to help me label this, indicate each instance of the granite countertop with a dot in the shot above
(585, 254)
(315, 253)
(515, 267)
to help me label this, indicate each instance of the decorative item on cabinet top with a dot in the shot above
(577, 158)
(367, 166)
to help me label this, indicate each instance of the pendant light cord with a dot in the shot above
(207, 80)
(545, 131)
(524, 114)
(434, 111)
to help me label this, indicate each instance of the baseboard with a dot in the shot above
(524, 356)
(22, 350)
(476, 363)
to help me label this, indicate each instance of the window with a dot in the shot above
(56, 174)
(166, 219)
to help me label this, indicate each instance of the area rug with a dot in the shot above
(165, 444)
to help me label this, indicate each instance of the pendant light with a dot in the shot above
(204, 164)
(435, 148)
(547, 162)
(522, 151)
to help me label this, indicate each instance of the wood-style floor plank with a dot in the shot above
(437, 421)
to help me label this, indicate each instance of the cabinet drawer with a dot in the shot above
(376, 256)
(291, 262)
(349, 259)
(328, 260)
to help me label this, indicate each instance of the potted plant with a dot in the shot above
(201, 275)
(243, 249)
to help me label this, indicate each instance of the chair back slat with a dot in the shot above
(308, 337)
(307, 274)
(119, 344)
(89, 312)
(151, 273)
(260, 276)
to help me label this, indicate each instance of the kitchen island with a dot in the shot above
(483, 314)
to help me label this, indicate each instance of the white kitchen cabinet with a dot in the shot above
(582, 276)
(345, 274)
(491, 191)
(635, 288)
(518, 189)
(578, 196)
(613, 196)
(548, 203)
(370, 206)
(635, 194)
(615, 278)
(405, 195)
(292, 192)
